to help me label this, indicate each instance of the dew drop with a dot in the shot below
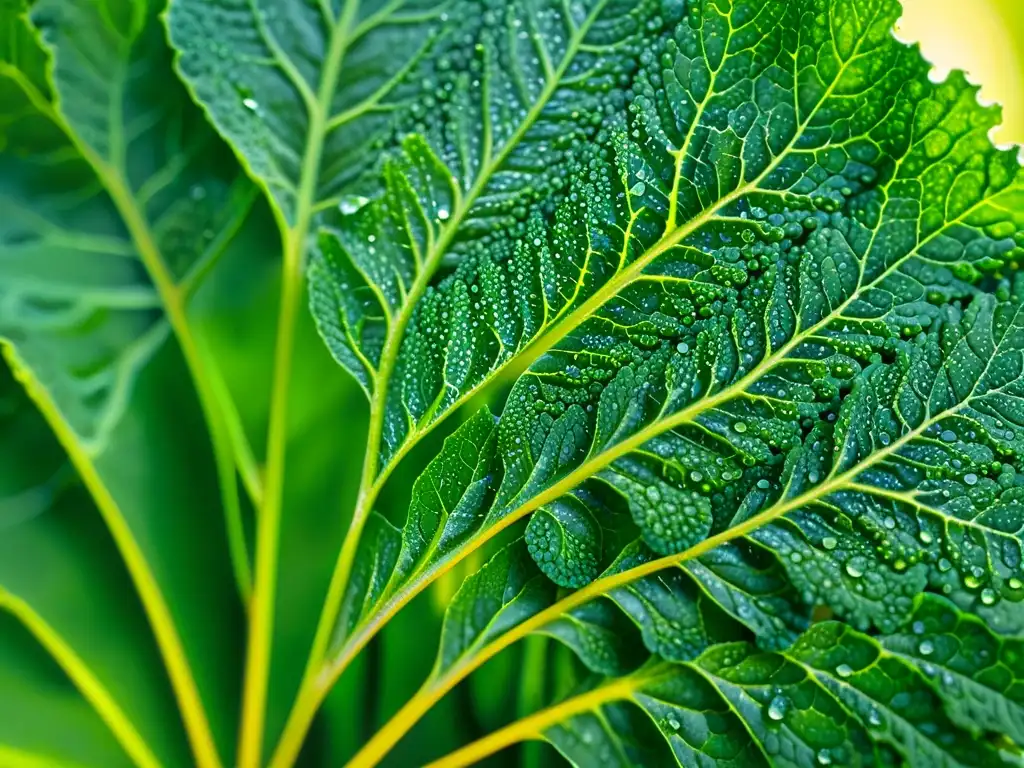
(777, 708)
(844, 670)
(926, 648)
(351, 204)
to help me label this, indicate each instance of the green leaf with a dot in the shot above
(717, 91)
(564, 540)
(835, 698)
(861, 268)
(500, 104)
(601, 636)
(449, 501)
(507, 590)
(754, 311)
(976, 672)
(748, 255)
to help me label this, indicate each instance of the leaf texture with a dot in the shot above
(759, 316)
(835, 697)
(98, 164)
(498, 113)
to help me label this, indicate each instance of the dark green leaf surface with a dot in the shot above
(505, 592)
(741, 274)
(835, 698)
(976, 672)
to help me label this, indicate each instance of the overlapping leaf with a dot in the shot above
(834, 698)
(500, 106)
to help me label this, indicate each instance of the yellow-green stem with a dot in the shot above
(183, 682)
(87, 683)
(533, 726)
(261, 612)
(261, 618)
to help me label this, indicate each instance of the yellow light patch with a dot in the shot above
(985, 38)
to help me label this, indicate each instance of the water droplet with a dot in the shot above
(854, 570)
(988, 596)
(824, 758)
(829, 542)
(638, 189)
(777, 707)
(251, 104)
(844, 670)
(442, 214)
(739, 427)
(971, 479)
(926, 648)
(351, 204)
